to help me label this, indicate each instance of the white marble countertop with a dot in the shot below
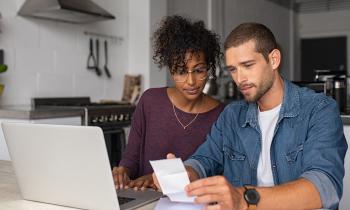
(10, 196)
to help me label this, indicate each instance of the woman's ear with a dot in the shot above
(275, 58)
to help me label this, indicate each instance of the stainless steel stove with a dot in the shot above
(111, 117)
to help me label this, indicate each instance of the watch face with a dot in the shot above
(251, 196)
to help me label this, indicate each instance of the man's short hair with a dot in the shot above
(264, 39)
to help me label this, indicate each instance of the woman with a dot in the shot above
(172, 119)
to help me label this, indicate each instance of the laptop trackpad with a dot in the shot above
(137, 198)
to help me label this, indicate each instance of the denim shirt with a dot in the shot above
(308, 143)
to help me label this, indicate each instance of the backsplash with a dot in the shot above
(49, 58)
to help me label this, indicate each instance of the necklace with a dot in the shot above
(184, 126)
(177, 118)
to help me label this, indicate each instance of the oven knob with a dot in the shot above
(101, 119)
(121, 117)
(111, 118)
(94, 120)
(127, 117)
(116, 117)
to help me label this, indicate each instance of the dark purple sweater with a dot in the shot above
(155, 132)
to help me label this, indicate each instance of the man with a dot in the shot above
(283, 147)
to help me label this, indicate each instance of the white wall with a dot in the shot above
(158, 11)
(277, 18)
(143, 19)
(197, 9)
(139, 62)
(48, 58)
(326, 24)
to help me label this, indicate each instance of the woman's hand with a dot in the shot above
(121, 177)
(142, 183)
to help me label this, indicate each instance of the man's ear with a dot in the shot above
(275, 58)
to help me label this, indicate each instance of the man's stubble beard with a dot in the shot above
(264, 88)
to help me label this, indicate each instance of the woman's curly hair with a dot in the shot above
(176, 36)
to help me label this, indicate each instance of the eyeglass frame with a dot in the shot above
(208, 74)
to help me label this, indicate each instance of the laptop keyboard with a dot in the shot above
(123, 200)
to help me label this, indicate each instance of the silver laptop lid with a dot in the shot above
(64, 165)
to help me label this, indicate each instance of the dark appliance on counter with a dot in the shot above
(332, 83)
(111, 117)
(326, 74)
(336, 84)
(318, 87)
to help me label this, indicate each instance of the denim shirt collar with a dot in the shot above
(290, 106)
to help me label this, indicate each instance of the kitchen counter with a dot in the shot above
(29, 113)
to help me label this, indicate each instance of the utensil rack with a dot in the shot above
(114, 39)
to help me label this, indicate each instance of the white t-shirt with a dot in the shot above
(267, 122)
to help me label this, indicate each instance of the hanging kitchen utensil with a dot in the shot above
(91, 61)
(108, 73)
(3, 67)
(97, 69)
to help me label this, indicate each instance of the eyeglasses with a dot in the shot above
(198, 73)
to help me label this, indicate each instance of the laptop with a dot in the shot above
(67, 166)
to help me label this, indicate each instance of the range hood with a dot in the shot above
(73, 11)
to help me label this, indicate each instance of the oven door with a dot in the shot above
(115, 143)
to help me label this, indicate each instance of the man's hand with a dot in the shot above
(121, 177)
(192, 174)
(142, 183)
(217, 193)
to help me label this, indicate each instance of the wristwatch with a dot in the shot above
(251, 196)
